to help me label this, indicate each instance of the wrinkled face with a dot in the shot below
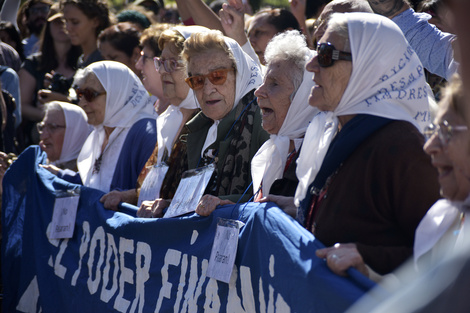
(274, 95)
(95, 109)
(58, 31)
(52, 135)
(260, 33)
(445, 157)
(174, 87)
(109, 52)
(216, 100)
(331, 82)
(151, 78)
(80, 28)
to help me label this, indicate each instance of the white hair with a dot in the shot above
(81, 75)
(289, 46)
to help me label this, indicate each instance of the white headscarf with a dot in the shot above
(269, 162)
(127, 101)
(439, 218)
(248, 77)
(76, 131)
(387, 80)
(170, 121)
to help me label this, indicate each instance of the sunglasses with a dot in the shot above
(170, 65)
(217, 77)
(327, 54)
(88, 94)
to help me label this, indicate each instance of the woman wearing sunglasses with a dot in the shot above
(364, 179)
(283, 100)
(227, 132)
(121, 113)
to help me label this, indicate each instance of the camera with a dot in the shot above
(60, 84)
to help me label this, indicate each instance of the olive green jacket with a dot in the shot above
(197, 132)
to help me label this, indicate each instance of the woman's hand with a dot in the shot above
(285, 203)
(149, 209)
(51, 168)
(112, 199)
(297, 7)
(233, 21)
(341, 257)
(45, 95)
(208, 204)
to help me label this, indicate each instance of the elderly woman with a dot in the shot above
(364, 180)
(228, 130)
(119, 109)
(448, 140)
(170, 123)
(283, 100)
(62, 133)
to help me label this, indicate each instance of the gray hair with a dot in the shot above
(53, 106)
(81, 75)
(289, 46)
(338, 23)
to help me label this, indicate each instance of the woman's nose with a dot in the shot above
(312, 65)
(260, 92)
(433, 144)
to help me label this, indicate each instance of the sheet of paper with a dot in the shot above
(190, 191)
(63, 217)
(152, 184)
(224, 250)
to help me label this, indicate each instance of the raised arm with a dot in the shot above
(200, 12)
(433, 47)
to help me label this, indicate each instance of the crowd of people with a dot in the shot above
(356, 126)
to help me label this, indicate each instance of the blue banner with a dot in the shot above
(116, 262)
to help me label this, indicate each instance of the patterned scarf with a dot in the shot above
(235, 175)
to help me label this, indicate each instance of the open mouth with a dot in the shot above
(444, 171)
(266, 111)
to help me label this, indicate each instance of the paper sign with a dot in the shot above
(63, 217)
(224, 250)
(152, 184)
(190, 190)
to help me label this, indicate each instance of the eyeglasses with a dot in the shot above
(88, 94)
(327, 54)
(217, 77)
(145, 57)
(444, 130)
(170, 65)
(50, 127)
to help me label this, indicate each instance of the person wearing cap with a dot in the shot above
(56, 55)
